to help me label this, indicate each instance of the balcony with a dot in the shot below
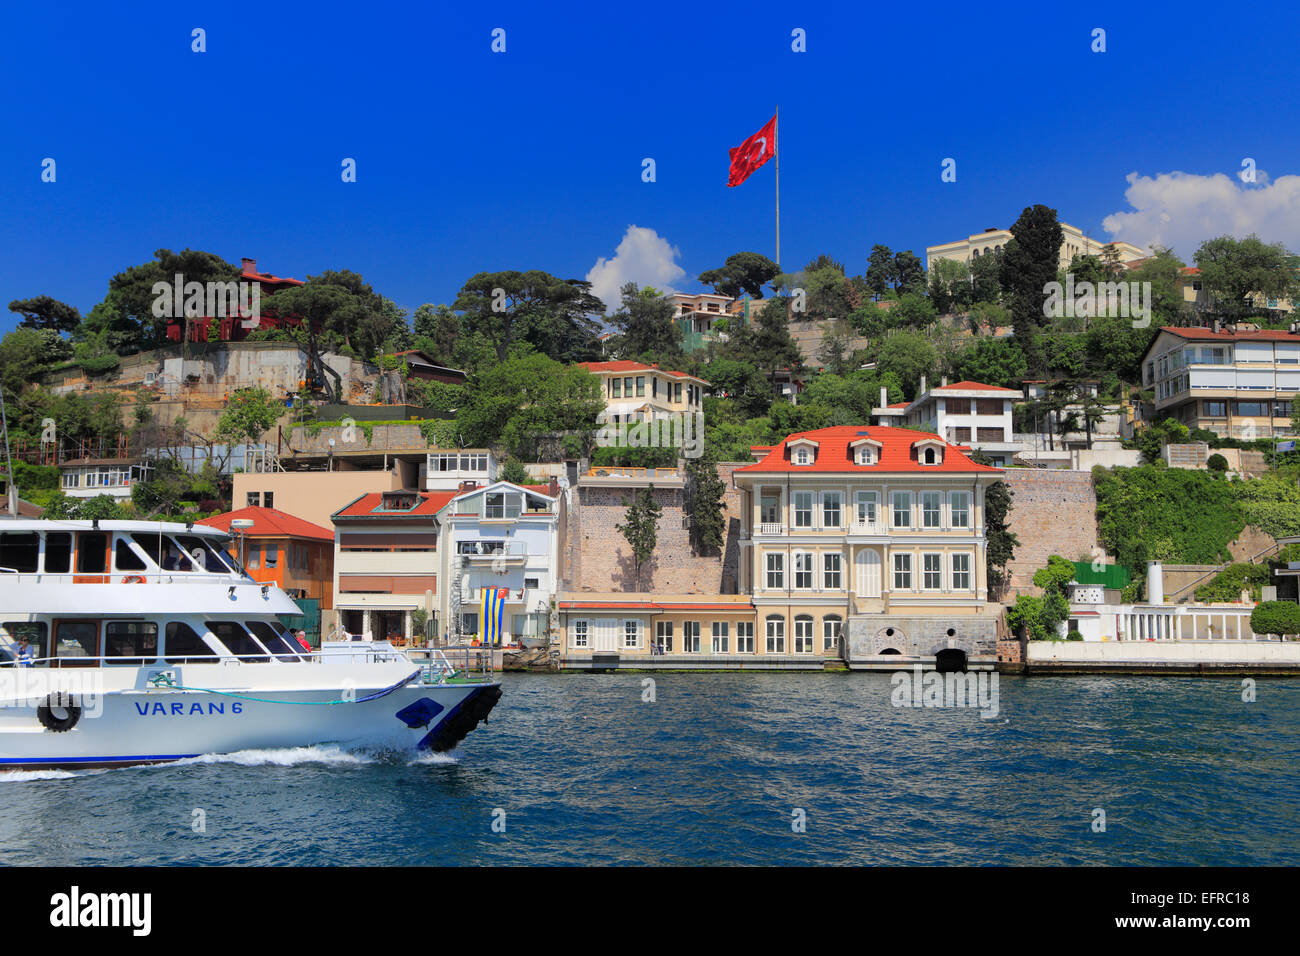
(867, 527)
(771, 527)
(480, 552)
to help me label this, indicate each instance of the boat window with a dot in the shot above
(238, 641)
(73, 639)
(182, 645)
(92, 552)
(19, 551)
(130, 642)
(126, 559)
(149, 544)
(36, 632)
(58, 552)
(204, 551)
(282, 647)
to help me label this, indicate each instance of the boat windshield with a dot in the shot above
(239, 642)
(206, 553)
(280, 645)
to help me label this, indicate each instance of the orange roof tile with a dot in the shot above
(367, 506)
(270, 522)
(896, 454)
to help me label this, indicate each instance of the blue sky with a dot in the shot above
(469, 160)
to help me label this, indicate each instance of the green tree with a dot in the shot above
(1000, 541)
(640, 528)
(1235, 272)
(248, 414)
(992, 362)
(518, 401)
(553, 315)
(744, 273)
(1276, 617)
(513, 471)
(1029, 263)
(909, 355)
(647, 330)
(43, 312)
(950, 286)
(704, 507)
(986, 277)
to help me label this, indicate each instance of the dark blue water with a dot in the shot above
(710, 773)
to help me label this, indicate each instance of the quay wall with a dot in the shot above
(1170, 657)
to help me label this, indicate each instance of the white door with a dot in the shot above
(606, 636)
(868, 568)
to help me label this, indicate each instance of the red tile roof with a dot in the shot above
(656, 606)
(367, 506)
(896, 454)
(270, 522)
(1262, 335)
(974, 387)
(627, 365)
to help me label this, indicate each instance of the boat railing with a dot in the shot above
(461, 664)
(224, 579)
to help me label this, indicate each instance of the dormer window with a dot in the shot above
(929, 452)
(803, 451)
(865, 451)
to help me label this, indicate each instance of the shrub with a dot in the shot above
(1276, 617)
(1074, 635)
(1217, 462)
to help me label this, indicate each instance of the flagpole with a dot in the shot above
(776, 143)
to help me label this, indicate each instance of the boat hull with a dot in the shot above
(158, 725)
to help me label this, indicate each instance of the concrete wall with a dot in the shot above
(599, 558)
(312, 495)
(1052, 512)
(869, 635)
(1156, 652)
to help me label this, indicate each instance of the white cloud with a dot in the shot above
(1182, 210)
(643, 257)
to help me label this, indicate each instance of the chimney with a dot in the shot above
(553, 486)
(249, 266)
(943, 382)
(465, 486)
(922, 391)
(884, 397)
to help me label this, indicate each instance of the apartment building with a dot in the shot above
(1073, 243)
(635, 391)
(1239, 384)
(90, 477)
(398, 552)
(967, 413)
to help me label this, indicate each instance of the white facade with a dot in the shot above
(88, 481)
(444, 469)
(971, 414)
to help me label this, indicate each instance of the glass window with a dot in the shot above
(1258, 409)
(468, 623)
(126, 559)
(932, 571)
(206, 552)
(664, 637)
(640, 386)
(36, 632)
(957, 406)
(902, 572)
(252, 499)
(961, 572)
(721, 637)
(272, 556)
(76, 639)
(866, 505)
(134, 642)
(769, 509)
(580, 628)
(20, 551)
(276, 641)
(775, 570)
(803, 509)
(831, 628)
(238, 641)
(58, 552)
(181, 644)
(745, 637)
(92, 552)
(618, 389)
(831, 571)
(832, 505)
(691, 637)
(931, 509)
(803, 634)
(776, 635)
(803, 569)
(902, 509)
(961, 509)
(632, 633)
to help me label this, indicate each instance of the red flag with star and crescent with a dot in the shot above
(752, 153)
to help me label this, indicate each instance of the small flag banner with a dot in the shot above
(494, 612)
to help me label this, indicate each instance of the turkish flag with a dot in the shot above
(752, 153)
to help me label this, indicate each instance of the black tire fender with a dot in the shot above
(63, 701)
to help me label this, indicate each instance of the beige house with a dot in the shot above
(985, 243)
(635, 391)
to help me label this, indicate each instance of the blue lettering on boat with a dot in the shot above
(178, 709)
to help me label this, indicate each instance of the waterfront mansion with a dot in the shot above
(856, 543)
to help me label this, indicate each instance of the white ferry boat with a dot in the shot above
(127, 642)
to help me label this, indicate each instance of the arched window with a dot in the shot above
(832, 627)
(776, 634)
(803, 634)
